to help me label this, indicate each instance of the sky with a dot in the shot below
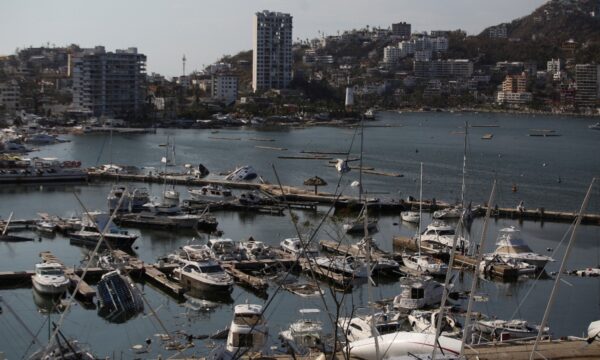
(205, 30)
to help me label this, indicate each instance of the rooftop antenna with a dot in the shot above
(183, 59)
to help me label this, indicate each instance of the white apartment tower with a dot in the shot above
(272, 55)
(110, 84)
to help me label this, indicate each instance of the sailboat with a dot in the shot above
(424, 264)
(358, 225)
(455, 212)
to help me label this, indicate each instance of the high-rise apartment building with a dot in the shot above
(272, 55)
(107, 83)
(401, 29)
(587, 78)
(225, 87)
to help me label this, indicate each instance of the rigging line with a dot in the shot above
(538, 276)
(85, 270)
(101, 151)
(43, 326)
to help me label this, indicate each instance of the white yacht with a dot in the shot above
(346, 265)
(425, 321)
(196, 251)
(248, 332)
(418, 293)
(49, 278)
(255, 250)
(425, 264)
(410, 216)
(45, 227)
(294, 247)
(89, 235)
(502, 329)
(443, 234)
(225, 249)
(448, 213)
(403, 343)
(511, 246)
(361, 326)
(305, 334)
(203, 275)
(211, 193)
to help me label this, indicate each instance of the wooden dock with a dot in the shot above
(301, 195)
(344, 283)
(160, 278)
(555, 349)
(343, 249)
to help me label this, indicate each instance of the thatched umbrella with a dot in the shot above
(315, 181)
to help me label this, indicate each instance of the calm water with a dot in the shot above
(512, 157)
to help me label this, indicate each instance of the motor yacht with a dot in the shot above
(211, 193)
(294, 247)
(418, 293)
(512, 247)
(204, 274)
(50, 279)
(89, 235)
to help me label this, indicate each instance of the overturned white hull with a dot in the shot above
(401, 344)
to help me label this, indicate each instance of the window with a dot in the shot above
(243, 340)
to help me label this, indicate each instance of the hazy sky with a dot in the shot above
(204, 30)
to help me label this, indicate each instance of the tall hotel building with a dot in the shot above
(272, 55)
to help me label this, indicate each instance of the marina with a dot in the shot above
(259, 280)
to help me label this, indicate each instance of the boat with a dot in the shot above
(250, 198)
(595, 126)
(593, 331)
(511, 246)
(50, 279)
(508, 329)
(134, 199)
(487, 265)
(118, 298)
(410, 216)
(345, 265)
(255, 250)
(418, 293)
(361, 326)
(211, 193)
(158, 221)
(425, 321)
(248, 332)
(89, 235)
(196, 173)
(225, 250)
(63, 350)
(304, 289)
(448, 213)
(295, 247)
(403, 343)
(438, 232)
(305, 334)
(206, 274)
(357, 226)
(19, 170)
(244, 173)
(370, 114)
(424, 264)
(45, 227)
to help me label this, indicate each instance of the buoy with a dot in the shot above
(514, 188)
(544, 164)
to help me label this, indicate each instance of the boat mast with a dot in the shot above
(420, 211)
(479, 258)
(560, 271)
(360, 184)
(464, 168)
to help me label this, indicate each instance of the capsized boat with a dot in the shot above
(118, 297)
(244, 173)
(248, 332)
(49, 278)
(361, 325)
(403, 343)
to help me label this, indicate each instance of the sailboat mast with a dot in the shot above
(561, 270)
(110, 148)
(464, 168)
(360, 186)
(369, 280)
(479, 258)
(420, 210)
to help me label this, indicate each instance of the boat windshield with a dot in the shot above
(446, 232)
(247, 319)
(51, 272)
(417, 293)
(211, 269)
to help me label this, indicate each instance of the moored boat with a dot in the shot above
(49, 278)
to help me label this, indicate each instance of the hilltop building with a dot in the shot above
(272, 55)
(588, 84)
(401, 29)
(107, 83)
